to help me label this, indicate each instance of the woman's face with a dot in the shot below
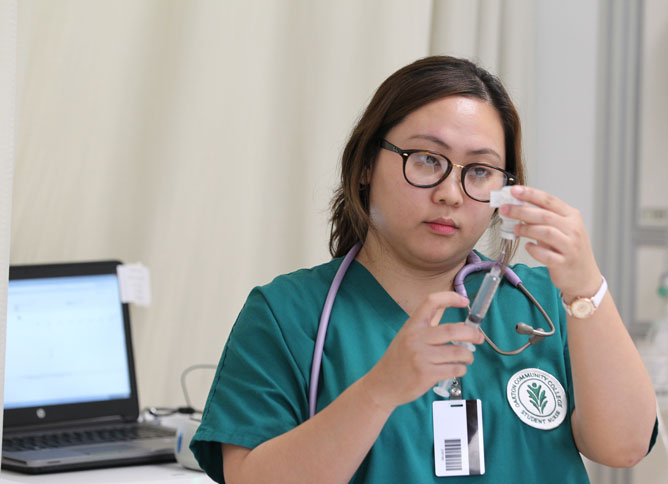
(435, 227)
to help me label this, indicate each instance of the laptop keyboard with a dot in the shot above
(83, 437)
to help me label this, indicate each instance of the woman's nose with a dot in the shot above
(450, 190)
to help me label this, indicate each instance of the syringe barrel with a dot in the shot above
(478, 311)
(473, 320)
(485, 295)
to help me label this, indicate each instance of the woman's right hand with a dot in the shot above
(418, 357)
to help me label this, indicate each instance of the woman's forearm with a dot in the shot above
(328, 448)
(615, 407)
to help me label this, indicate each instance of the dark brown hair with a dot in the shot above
(406, 90)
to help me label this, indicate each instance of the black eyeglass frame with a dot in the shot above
(510, 178)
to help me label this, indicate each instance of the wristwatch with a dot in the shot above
(583, 307)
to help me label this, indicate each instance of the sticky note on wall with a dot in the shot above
(135, 284)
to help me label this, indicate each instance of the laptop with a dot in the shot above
(70, 389)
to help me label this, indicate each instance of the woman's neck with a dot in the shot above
(408, 284)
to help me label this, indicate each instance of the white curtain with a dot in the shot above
(199, 137)
(202, 138)
(497, 34)
(8, 13)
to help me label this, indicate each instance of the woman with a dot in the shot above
(396, 313)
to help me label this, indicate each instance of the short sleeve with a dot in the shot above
(258, 391)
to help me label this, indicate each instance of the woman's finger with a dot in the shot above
(449, 332)
(431, 310)
(532, 215)
(541, 199)
(545, 255)
(545, 235)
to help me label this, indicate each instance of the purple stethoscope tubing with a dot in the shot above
(474, 264)
(324, 323)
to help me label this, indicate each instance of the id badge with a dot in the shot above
(458, 438)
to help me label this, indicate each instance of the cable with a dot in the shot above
(183, 379)
(188, 409)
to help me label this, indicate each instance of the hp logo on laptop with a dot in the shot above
(41, 413)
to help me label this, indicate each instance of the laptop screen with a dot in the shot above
(69, 351)
(66, 341)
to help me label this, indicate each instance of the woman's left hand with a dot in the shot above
(561, 240)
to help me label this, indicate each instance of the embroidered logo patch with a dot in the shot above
(537, 398)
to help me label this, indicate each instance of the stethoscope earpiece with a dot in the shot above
(536, 335)
(523, 328)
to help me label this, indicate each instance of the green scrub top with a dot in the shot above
(261, 386)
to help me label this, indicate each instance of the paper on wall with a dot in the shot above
(135, 284)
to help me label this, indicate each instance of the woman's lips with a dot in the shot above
(442, 226)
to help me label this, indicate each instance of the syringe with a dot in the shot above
(477, 313)
(483, 299)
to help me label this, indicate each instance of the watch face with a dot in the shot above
(582, 308)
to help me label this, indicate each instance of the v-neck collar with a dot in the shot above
(368, 287)
(389, 311)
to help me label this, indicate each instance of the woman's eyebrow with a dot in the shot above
(438, 141)
(431, 138)
(485, 151)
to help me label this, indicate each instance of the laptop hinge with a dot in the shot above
(68, 425)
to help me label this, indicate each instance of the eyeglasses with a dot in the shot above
(426, 169)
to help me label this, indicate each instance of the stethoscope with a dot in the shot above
(473, 264)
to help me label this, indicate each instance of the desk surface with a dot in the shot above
(150, 474)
